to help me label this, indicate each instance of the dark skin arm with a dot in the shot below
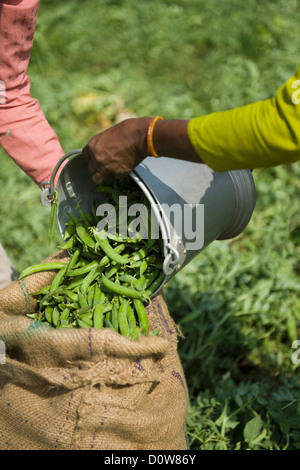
(119, 149)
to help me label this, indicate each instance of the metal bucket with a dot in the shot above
(219, 206)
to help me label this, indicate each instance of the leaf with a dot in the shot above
(253, 429)
(225, 420)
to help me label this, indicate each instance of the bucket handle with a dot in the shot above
(47, 187)
(172, 255)
(171, 260)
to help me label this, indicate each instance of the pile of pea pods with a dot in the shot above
(109, 277)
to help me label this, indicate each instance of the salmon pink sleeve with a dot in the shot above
(25, 133)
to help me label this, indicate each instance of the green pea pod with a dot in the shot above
(91, 294)
(71, 295)
(43, 290)
(121, 290)
(63, 305)
(58, 298)
(107, 307)
(84, 261)
(135, 334)
(58, 278)
(154, 332)
(70, 230)
(105, 260)
(84, 269)
(73, 219)
(55, 316)
(87, 315)
(48, 314)
(82, 299)
(123, 321)
(74, 306)
(89, 279)
(98, 316)
(73, 260)
(154, 261)
(108, 324)
(53, 214)
(142, 315)
(151, 241)
(69, 244)
(74, 283)
(140, 254)
(108, 249)
(99, 296)
(116, 238)
(108, 315)
(85, 216)
(132, 281)
(64, 314)
(37, 268)
(155, 285)
(149, 278)
(82, 310)
(46, 300)
(143, 267)
(84, 236)
(84, 323)
(63, 324)
(112, 271)
(114, 313)
(131, 319)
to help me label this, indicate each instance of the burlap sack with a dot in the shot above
(87, 388)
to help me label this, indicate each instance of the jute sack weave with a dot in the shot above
(80, 389)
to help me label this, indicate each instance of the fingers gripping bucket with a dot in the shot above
(191, 204)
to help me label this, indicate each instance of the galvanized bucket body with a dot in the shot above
(182, 194)
(227, 202)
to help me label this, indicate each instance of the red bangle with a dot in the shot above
(150, 136)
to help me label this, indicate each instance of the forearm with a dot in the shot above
(262, 134)
(170, 139)
(33, 145)
(25, 134)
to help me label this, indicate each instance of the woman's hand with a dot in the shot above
(117, 150)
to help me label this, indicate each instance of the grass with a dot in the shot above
(238, 302)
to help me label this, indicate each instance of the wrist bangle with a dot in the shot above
(150, 136)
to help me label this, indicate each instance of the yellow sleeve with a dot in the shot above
(262, 134)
